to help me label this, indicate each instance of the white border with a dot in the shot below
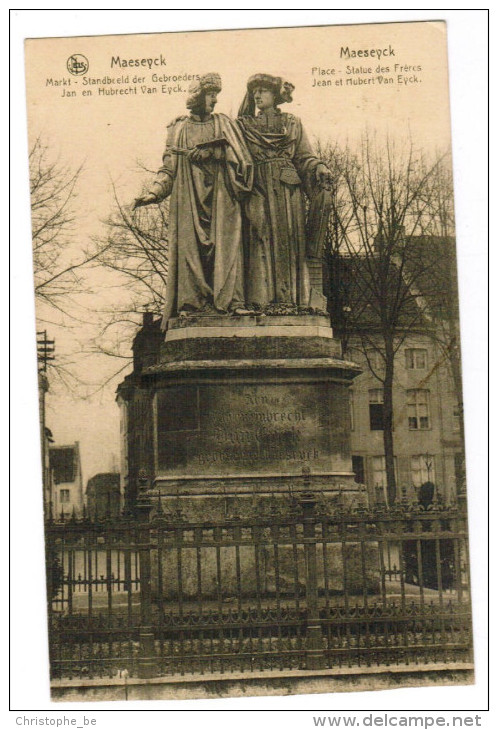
(468, 63)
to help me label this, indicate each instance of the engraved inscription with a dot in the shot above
(260, 426)
(223, 456)
(245, 428)
(261, 417)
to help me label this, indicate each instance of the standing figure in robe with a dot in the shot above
(284, 166)
(206, 170)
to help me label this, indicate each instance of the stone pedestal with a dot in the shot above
(242, 407)
(227, 417)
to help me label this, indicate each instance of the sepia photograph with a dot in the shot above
(252, 463)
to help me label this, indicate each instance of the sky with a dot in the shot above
(337, 95)
(95, 423)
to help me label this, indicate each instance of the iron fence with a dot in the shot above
(289, 586)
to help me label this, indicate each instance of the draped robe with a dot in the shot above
(205, 225)
(275, 241)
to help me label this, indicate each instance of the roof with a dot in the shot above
(64, 461)
(354, 303)
(104, 482)
(437, 279)
(429, 272)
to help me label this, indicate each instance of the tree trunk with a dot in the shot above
(388, 421)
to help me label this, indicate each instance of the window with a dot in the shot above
(359, 469)
(379, 474)
(376, 407)
(64, 496)
(376, 361)
(379, 471)
(422, 469)
(416, 359)
(418, 410)
(351, 410)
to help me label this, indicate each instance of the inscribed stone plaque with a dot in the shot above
(256, 429)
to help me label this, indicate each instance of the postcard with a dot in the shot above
(249, 363)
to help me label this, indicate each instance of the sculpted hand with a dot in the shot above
(199, 155)
(324, 177)
(218, 152)
(144, 200)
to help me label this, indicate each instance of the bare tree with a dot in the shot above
(437, 244)
(57, 268)
(134, 251)
(61, 260)
(136, 247)
(385, 203)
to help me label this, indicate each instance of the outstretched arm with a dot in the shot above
(163, 183)
(160, 189)
(144, 200)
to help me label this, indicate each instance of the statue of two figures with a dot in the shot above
(238, 239)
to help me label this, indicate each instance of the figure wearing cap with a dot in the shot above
(206, 170)
(284, 167)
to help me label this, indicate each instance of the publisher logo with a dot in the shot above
(77, 64)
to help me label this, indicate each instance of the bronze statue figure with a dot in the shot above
(206, 169)
(284, 167)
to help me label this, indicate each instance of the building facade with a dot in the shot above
(428, 444)
(67, 480)
(103, 495)
(135, 403)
